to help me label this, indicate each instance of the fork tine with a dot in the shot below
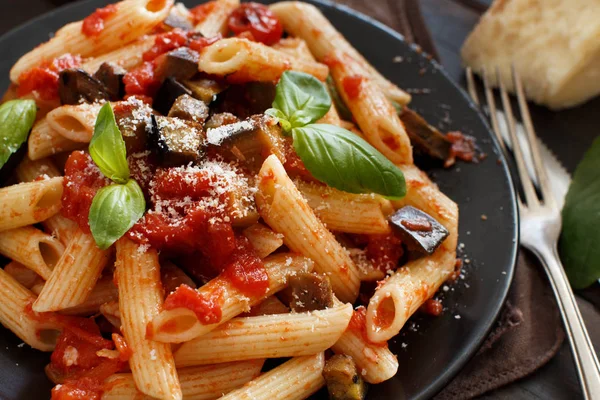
(491, 101)
(532, 140)
(471, 87)
(531, 198)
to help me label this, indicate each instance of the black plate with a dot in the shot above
(431, 350)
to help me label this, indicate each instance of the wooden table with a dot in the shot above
(449, 22)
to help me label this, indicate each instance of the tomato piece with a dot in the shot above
(199, 13)
(93, 24)
(259, 20)
(352, 85)
(207, 307)
(43, 78)
(166, 42)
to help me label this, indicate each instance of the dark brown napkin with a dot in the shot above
(529, 331)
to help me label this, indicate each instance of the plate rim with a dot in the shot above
(442, 380)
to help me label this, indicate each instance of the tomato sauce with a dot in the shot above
(43, 78)
(75, 365)
(93, 24)
(125, 351)
(166, 42)
(463, 148)
(82, 180)
(246, 271)
(351, 85)
(433, 307)
(199, 13)
(384, 251)
(142, 81)
(258, 20)
(358, 323)
(206, 307)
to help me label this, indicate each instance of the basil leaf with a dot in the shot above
(107, 146)
(580, 235)
(114, 210)
(16, 119)
(340, 106)
(285, 124)
(301, 98)
(344, 161)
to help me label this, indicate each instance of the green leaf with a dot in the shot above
(285, 124)
(344, 161)
(580, 238)
(301, 99)
(107, 146)
(340, 106)
(114, 210)
(16, 119)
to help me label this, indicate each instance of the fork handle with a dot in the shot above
(584, 354)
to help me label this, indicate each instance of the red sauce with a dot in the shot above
(43, 79)
(125, 351)
(82, 180)
(94, 23)
(463, 148)
(257, 19)
(351, 85)
(418, 224)
(166, 42)
(142, 81)
(198, 43)
(384, 251)
(206, 307)
(199, 13)
(246, 271)
(358, 323)
(433, 307)
(75, 365)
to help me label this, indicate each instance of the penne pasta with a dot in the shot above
(28, 203)
(75, 123)
(26, 277)
(110, 311)
(305, 21)
(44, 141)
(264, 240)
(295, 47)
(241, 60)
(105, 291)
(14, 315)
(215, 22)
(127, 57)
(334, 207)
(270, 336)
(57, 225)
(33, 248)
(375, 115)
(74, 275)
(409, 287)
(284, 209)
(181, 324)
(140, 297)
(132, 19)
(197, 383)
(295, 379)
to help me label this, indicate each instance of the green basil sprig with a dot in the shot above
(16, 119)
(331, 154)
(117, 207)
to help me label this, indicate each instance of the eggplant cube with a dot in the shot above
(75, 85)
(418, 230)
(174, 140)
(111, 75)
(181, 63)
(189, 109)
(344, 381)
(169, 91)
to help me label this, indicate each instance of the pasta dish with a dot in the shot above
(204, 189)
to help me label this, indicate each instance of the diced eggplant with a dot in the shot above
(216, 136)
(220, 119)
(179, 17)
(181, 63)
(111, 75)
(424, 136)
(75, 85)
(418, 230)
(189, 109)
(308, 292)
(169, 91)
(204, 89)
(175, 141)
(343, 379)
(132, 117)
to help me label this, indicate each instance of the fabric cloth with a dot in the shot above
(529, 331)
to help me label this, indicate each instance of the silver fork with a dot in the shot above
(540, 225)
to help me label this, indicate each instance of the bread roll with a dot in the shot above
(554, 45)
